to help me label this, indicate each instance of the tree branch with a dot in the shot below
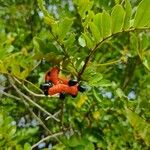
(92, 51)
(47, 138)
(27, 105)
(31, 101)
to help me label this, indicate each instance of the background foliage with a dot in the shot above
(105, 45)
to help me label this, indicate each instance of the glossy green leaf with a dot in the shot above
(64, 26)
(118, 16)
(128, 10)
(95, 32)
(98, 22)
(82, 8)
(142, 17)
(89, 41)
(106, 24)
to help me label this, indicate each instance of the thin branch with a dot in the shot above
(38, 63)
(40, 121)
(92, 51)
(31, 101)
(62, 115)
(9, 95)
(31, 92)
(55, 114)
(47, 138)
(27, 105)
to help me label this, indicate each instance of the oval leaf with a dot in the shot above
(106, 24)
(142, 16)
(128, 10)
(118, 15)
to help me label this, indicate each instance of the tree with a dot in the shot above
(102, 44)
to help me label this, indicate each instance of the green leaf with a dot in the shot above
(69, 42)
(39, 44)
(95, 79)
(27, 146)
(74, 141)
(106, 24)
(3, 68)
(95, 32)
(134, 45)
(104, 83)
(139, 125)
(146, 63)
(83, 6)
(142, 16)
(89, 41)
(98, 22)
(144, 41)
(90, 146)
(128, 10)
(88, 19)
(120, 93)
(118, 16)
(96, 95)
(48, 18)
(12, 131)
(81, 41)
(64, 26)
(24, 73)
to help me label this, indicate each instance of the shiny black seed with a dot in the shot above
(72, 82)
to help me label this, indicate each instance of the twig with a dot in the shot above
(54, 114)
(31, 92)
(62, 115)
(27, 105)
(31, 101)
(9, 95)
(47, 138)
(38, 63)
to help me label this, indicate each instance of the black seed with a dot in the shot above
(72, 82)
(46, 92)
(74, 96)
(81, 88)
(62, 96)
(49, 73)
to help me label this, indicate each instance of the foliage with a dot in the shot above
(105, 45)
